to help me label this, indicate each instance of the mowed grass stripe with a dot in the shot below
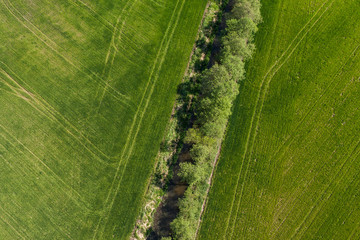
(146, 130)
(355, 233)
(323, 164)
(132, 137)
(263, 89)
(299, 193)
(18, 228)
(32, 170)
(228, 214)
(148, 99)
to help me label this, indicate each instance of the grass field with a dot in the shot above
(289, 167)
(86, 88)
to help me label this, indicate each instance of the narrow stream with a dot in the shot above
(169, 208)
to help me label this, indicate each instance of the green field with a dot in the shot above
(86, 88)
(289, 167)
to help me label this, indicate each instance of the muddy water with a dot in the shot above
(169, 208)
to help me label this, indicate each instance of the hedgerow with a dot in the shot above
(218, 88)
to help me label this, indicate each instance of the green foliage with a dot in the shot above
(217, 93)
(193, 174)
(243, 27)
(166, 238)
(246, 9)
(235, 67)
(185, 225)
(238, 46)
(201, 152)
(209, 21)
(193, 136)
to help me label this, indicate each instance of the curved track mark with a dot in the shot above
(126, 153)
(115, 93)
(260, 101)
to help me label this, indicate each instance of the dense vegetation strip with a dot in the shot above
(216, 90)
(289, 166)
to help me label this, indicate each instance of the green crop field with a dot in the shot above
(86, 88)
(290, 164)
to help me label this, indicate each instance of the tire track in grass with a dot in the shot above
(354, 231)
(36, 157)
(87, 5)
(112, 52)
(51, 113)
(19, 226)
(79, 199)
(290, 139)
(127, 153)
(146, 105)
(293, 196)
(115, 93)
(52, 118)
(125, 56)
(299, 193)
(49, 216)
(355, 153)
(94, 14)
(9, 224)
(112, 45)
(263, 88)
(281, 151)
(12, 90)
(159, 3)
(349, 213)
(46, 113)
(267, 84)
(279, 211)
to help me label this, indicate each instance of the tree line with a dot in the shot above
(217, 88)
